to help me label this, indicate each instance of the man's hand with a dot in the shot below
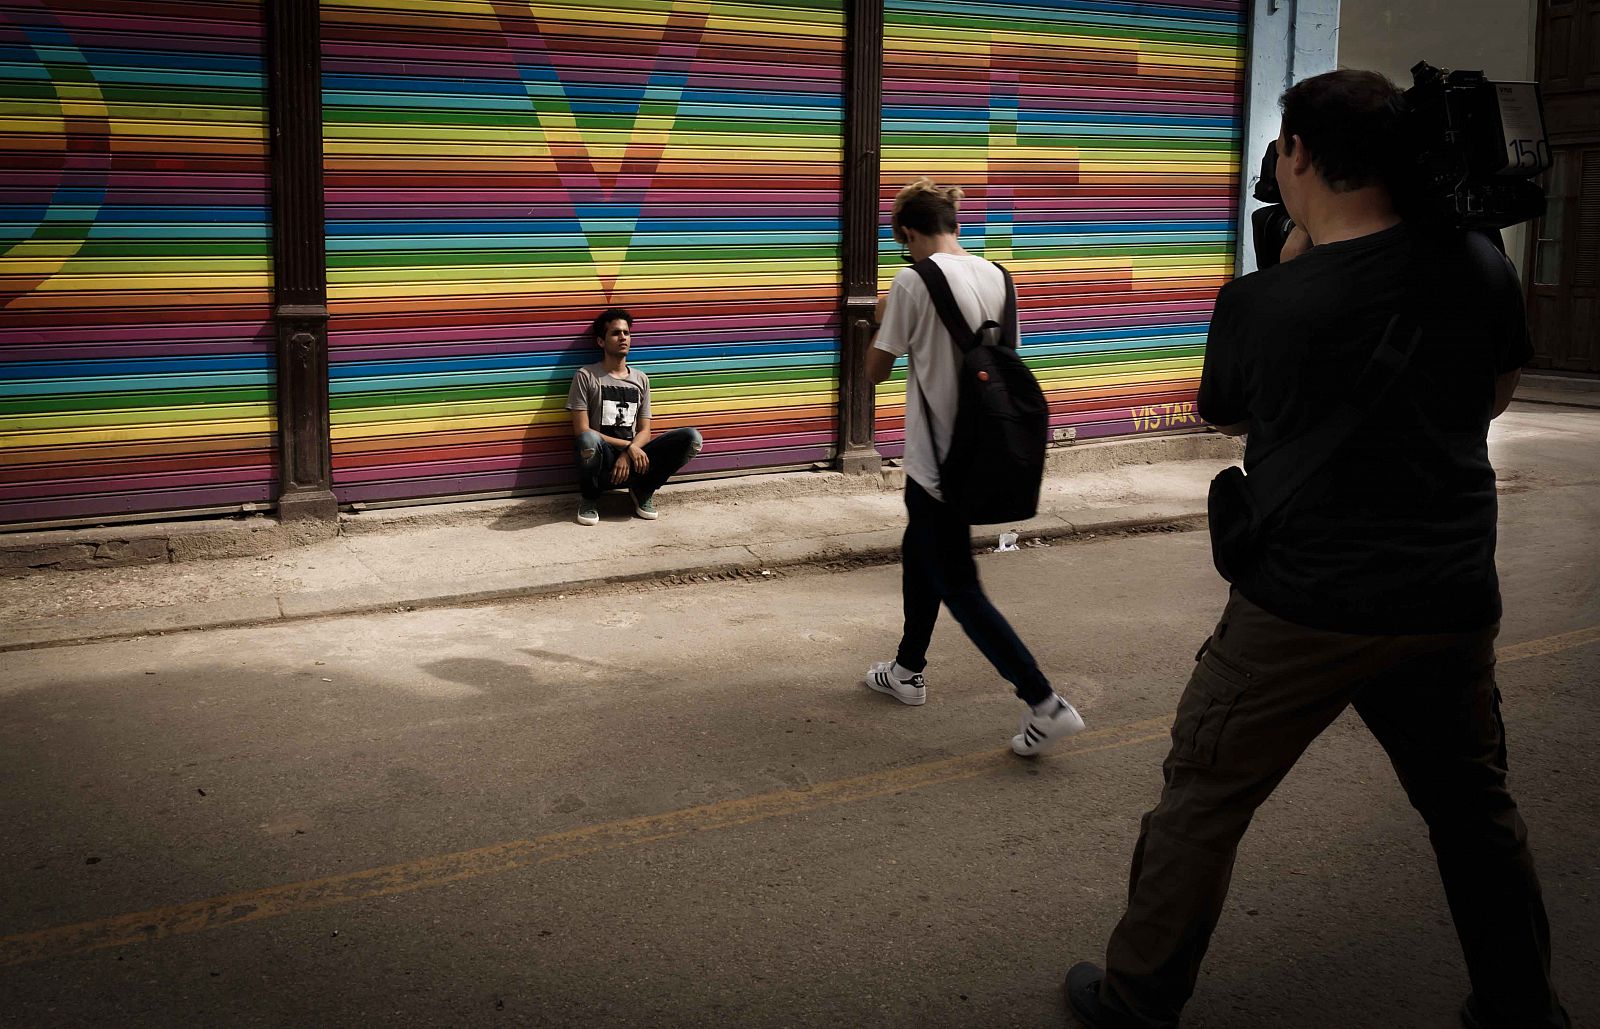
(621, 470)
(640, 460)
(880, 364)
(1299, 242)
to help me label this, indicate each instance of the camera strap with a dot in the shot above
(1284, 472)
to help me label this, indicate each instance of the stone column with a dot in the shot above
(859, 225)
(300, 297)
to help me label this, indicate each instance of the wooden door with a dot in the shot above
(1564, 257)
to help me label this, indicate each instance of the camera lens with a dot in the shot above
(1266, 189)
(1270, 228)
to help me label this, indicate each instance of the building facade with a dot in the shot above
(292, 254)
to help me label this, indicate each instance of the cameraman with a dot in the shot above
(1376, 585)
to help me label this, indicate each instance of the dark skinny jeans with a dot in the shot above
(936, 565)
(668, 452)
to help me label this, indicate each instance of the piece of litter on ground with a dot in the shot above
(1008, 541)
(327, 680)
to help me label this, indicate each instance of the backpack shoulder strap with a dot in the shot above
(1008, 315)
(944, 302)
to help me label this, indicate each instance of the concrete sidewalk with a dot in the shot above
(435, 555)
(1559, 390)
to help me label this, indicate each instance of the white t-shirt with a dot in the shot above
(911, 326)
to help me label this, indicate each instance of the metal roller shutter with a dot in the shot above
(1097, 142)
(136, 354)
(499, 172)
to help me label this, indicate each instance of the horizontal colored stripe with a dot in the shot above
(497, 173)
(500, 173)
(136, 369)
(1049, 107)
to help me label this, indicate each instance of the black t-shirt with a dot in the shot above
(1396, 533)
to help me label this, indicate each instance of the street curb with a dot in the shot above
(40, 552)
(1555, 380)
(1558, 398)
(529, 583)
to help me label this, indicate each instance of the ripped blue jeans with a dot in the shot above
(668, 452)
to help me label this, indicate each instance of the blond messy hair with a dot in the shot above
(928, 207)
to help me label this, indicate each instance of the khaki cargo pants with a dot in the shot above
(1261, 691)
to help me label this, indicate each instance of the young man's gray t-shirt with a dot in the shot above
(615, 405)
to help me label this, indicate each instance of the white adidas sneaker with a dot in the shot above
(1042, 731)
(882, 677)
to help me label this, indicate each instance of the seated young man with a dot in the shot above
(610, 405)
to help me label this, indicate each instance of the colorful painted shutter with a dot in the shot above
(136, 353)
(500, 172)
(1097, 142)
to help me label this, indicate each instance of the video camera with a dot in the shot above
(1472, 148)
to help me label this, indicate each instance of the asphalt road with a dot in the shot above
(679, 806)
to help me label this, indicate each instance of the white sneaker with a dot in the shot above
(1041, 731)
(911, 691)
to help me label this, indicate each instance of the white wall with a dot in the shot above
(1492, 36)
(1290, 40)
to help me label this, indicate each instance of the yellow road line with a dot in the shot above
(409, 876)
(309, 895)
(1549, 645)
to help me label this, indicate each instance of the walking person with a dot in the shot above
(610, 406)
(1370, 367)
(936, 555)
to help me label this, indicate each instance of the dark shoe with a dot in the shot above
(644, 504)
(1473, 1017)
(1083, 997)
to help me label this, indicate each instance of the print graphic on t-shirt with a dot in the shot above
(619, 408)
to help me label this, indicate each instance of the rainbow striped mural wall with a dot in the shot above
(136, 367)
(499, 172)
(1098, 142)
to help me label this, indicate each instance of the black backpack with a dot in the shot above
(995, 463)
